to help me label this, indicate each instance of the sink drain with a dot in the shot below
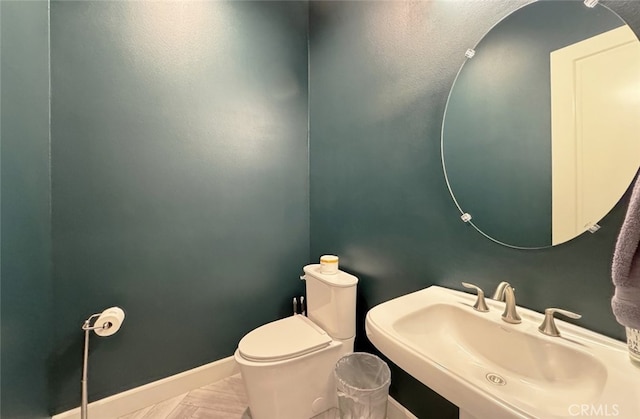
(495, 379)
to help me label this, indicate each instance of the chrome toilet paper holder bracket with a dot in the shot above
(86, 326)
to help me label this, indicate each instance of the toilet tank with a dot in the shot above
(331, 301)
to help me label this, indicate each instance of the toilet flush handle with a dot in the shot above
(303, 277)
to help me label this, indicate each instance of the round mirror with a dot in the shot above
(540, 134)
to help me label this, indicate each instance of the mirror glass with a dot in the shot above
(540, 133)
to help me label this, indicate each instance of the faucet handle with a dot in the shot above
(480, 304)
(548, 326)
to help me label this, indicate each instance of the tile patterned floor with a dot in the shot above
(225, 399)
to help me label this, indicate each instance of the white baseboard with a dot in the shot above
(153, 393)
(397, 411)
(149, 394)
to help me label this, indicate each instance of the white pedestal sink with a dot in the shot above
(492, 369)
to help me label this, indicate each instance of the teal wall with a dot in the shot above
(26, 228)
(380, 76)
(179, 181)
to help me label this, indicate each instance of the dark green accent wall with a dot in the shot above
(26, 228)
(497, 131)
(379, 79)
(179, 181)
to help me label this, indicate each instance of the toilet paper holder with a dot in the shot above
(111, 313)
(106, 323)
(87, 323)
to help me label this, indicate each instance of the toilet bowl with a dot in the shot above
(287, 365)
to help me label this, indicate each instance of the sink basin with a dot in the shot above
(493, 369)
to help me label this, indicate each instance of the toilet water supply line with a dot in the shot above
(302, 306)
(108, 322)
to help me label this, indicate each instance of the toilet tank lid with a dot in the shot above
(283, 339)
(340, 279)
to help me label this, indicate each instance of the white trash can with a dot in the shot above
(362, 382)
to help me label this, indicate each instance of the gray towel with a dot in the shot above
(625, 270)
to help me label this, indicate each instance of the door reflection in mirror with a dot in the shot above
(595, 123)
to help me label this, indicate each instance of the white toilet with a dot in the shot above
(287, 365)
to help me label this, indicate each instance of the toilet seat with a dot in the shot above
(283, 339)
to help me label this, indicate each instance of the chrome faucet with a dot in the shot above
(506, 293)
(498, 295)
